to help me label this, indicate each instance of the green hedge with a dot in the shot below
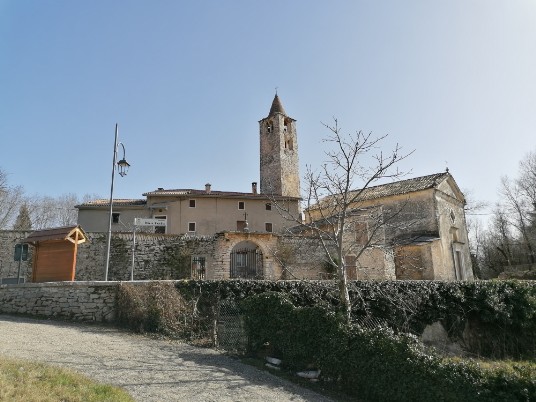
(375, 364)
(501, 314)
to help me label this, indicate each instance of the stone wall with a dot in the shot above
(157, 256)
(77, 301)
(301, 258)
(8, 266)
(169, 257)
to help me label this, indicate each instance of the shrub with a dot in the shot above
(493, 318)
(377, 364)
(153, 307)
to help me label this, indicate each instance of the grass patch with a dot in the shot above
(26, 381)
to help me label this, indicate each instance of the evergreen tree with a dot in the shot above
(23, 221)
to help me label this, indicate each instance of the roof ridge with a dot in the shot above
(408, 180)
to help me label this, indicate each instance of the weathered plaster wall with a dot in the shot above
(415, 261)
(301, 258)
(454, 237)
(97, 219)
(376, 264)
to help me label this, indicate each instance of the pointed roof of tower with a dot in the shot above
(277, 107)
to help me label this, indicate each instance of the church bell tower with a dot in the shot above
(279, 166)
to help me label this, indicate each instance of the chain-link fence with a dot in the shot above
(230, 331)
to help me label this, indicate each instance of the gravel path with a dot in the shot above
(149, 369)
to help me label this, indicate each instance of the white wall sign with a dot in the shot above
(149, 222)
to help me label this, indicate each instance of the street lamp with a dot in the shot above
(122, 169)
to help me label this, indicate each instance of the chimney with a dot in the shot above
(254, 187)
(207, 188)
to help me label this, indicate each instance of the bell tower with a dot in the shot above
(279, 166)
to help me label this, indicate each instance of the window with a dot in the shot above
(160, 229)
(191, 226)
(288, 144)
(192, 203)
(241, 205)
(268, 227)
(115, 217)
(268, 206)
(240, 226)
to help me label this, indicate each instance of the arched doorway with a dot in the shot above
(246, 261)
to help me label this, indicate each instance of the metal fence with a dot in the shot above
(198, 267)
(247, 264)
(230, 332)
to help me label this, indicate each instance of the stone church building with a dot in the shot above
(216, 234)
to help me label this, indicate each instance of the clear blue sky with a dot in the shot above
(187, 83)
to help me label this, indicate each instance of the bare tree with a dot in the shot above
(11, 198)
(334, 208)
(49, 211)
(473, 210)
(510, 239)
(518, 206)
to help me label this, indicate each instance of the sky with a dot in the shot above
(187, 82)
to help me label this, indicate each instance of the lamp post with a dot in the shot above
(122, 168)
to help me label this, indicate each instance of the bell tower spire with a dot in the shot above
(279, 165)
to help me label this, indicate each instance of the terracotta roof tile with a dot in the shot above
(403, 186)
(119, 202)
(204, 193)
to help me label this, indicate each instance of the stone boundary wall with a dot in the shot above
(168, 257)
(8, 266)
(76, 301)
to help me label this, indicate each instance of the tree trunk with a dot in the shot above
(343, 293)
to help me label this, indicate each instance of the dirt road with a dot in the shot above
(149, 369)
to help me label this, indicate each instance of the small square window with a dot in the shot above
(241, 205)
(192, 203)
(191, 226)
(268, 226)
(268, 206)
(115, 217)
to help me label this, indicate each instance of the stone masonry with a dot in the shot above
(77, 301)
